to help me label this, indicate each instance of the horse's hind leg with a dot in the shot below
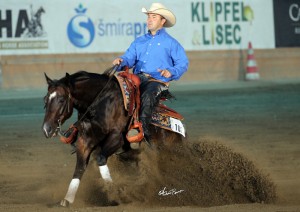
(113, 142)
(83, 154)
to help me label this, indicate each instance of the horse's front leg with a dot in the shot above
(113, 142)
(83, 154)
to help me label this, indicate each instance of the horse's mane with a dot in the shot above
(79, 76)
(84, 75)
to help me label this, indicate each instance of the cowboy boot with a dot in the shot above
(147, 135)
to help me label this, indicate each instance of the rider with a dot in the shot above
(157, 58)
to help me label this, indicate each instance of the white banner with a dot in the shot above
(61, 26)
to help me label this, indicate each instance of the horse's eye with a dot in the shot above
(61, 99)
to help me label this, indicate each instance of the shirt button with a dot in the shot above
(150, 44)
(147, 53)
(144, 61)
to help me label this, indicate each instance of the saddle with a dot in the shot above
(163, 116)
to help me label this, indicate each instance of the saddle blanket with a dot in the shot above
(167, 122)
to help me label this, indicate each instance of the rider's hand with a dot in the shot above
(165, 73)
(117, 61)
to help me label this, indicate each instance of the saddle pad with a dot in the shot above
(125, 91)
(168, 123)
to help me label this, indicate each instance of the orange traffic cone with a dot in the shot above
(252, 70)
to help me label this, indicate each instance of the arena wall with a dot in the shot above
(27, 71)
(39, 37)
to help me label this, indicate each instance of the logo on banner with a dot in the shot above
(219, 22)
(22, 29)
(81, 31)
(34, 28)
(294, 12)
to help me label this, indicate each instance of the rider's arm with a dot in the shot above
(180, 61)
(129, 57)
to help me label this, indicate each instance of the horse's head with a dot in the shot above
(58, 105)
(40, 10)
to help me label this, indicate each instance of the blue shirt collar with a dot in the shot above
(160, 31)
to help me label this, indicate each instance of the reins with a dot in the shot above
(110, 72)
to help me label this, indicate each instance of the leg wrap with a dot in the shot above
(73, 187)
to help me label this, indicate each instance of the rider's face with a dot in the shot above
(155, 22)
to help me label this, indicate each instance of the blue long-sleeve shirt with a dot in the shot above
(149, 53)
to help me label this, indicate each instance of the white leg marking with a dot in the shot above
(70, 196)
(105, 174)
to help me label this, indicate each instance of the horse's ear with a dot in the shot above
(67, 79)
(49, 81)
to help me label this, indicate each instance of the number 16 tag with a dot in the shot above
(177, 126)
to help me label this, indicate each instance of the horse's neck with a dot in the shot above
(85, 93)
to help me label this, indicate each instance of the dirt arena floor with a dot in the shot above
(242, 154)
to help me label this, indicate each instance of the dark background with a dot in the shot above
(285, 35)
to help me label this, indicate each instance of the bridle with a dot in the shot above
(65, 109)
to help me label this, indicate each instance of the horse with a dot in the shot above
(38, 15)
(34, 27)
(102, 121)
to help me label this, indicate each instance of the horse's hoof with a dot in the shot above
(135, 145)
(65, 203)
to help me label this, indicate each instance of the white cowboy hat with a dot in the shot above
(160, 9)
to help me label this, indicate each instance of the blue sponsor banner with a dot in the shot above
(58, 27)
(74, 26)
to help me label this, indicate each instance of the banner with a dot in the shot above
(72, 26)
(231, 24)
(287, 23)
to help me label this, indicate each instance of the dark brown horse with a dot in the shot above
(102, 121)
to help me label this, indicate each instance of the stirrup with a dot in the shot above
(135, 133)
(131, 134)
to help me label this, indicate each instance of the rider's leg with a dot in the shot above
(150, 91)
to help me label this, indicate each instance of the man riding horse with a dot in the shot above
(102, 122)
(156, 58)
